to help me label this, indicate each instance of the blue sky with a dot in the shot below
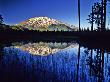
(16, 11)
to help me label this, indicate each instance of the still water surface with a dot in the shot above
(53, 62)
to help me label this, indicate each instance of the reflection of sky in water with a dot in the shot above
(58, 67)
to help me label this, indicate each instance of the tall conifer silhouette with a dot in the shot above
(79, 13)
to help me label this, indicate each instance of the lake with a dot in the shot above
(53, 62)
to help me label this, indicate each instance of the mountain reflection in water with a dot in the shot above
(44, 49)
(69, 63)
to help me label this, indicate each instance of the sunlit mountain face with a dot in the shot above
(45, 24)
(44, 49)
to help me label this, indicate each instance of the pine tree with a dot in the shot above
(1, 20)
(79, 13)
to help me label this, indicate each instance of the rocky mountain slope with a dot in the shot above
(45, 23)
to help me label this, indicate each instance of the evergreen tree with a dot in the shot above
(1, 20)
(79, 13)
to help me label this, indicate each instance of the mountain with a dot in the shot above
(45, 23)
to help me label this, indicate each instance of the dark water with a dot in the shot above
(72, 63)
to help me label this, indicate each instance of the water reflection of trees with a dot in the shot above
(62, 66)
(78, 63)
(96, 64)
